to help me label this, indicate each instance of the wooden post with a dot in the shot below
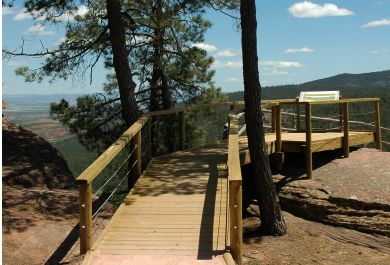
(182, 130)
(341, 117)
(278, 128)
(378, 136)
(309, 158)
(298, 117)
(138, 153)
(85, 208)
(278, 146)
(345, 110)
(273, 119)
(149, 139)
(235, 208)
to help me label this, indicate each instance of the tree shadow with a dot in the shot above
(69, 242)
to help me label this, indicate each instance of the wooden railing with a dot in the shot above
(344, 121)
(234, 231)
(134, 133)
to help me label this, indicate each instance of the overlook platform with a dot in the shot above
(186, 207)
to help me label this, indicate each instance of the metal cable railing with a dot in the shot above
(116, 188)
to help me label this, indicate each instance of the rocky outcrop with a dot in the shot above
(31, 161)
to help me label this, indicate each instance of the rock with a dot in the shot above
(31, 161)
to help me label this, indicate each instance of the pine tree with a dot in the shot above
(272, 221)
(159, 37)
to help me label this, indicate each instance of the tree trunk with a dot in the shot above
(121, 64)
(272, 221)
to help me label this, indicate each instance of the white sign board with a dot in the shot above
(308, 96)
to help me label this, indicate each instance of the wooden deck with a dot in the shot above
(178, 208)
(182, 211)
(295, 142)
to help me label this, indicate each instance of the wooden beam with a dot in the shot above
(138, 153)
(341, 117)
(346, 129)
(235, 210)
(104, 159)
(309, 157)
(378, 136)
(182, 130)
(278, 128)
(273, 119)
(149, 139)
(85, 209)
(298, 125)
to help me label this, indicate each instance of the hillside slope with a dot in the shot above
(30, 161)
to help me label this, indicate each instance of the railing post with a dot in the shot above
(85, 208)
(149, 138)
(378, 136)
(346, 128)
(235, 208)
(273, 119)
(138, 153)
(341, 117)
(278, 128)
(309, 158)
(298, 117)
(182, 130)
(278, 145)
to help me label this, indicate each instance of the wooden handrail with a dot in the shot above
(235, 191)
(89, 174)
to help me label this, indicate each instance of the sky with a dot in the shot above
(298, 41)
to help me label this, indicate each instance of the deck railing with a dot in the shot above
(134, 133)
(344, 122)
(234, 230)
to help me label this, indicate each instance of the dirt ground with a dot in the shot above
(308, 242)
(40, 226)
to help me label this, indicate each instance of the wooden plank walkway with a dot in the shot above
(293, 142)
(177, 211)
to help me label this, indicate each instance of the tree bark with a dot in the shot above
(272, 221)
(123, 73)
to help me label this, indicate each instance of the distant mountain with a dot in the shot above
(374, 84)
(34, 99)
(366, 80)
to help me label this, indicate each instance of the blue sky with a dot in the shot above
(298, 41)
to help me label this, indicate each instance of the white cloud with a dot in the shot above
(22, 15)
(205, 46)
(232, 79)
(234, 64)
(281, 64)
(277, 72)
(377, 23)
(7, 10)
(227, 53)
(379, 51)
(68, 16)
(299, 50)
(39, 30)
(308, 9)
(228, 64)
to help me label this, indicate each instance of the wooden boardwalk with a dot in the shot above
(178, 208)
(183, 210)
